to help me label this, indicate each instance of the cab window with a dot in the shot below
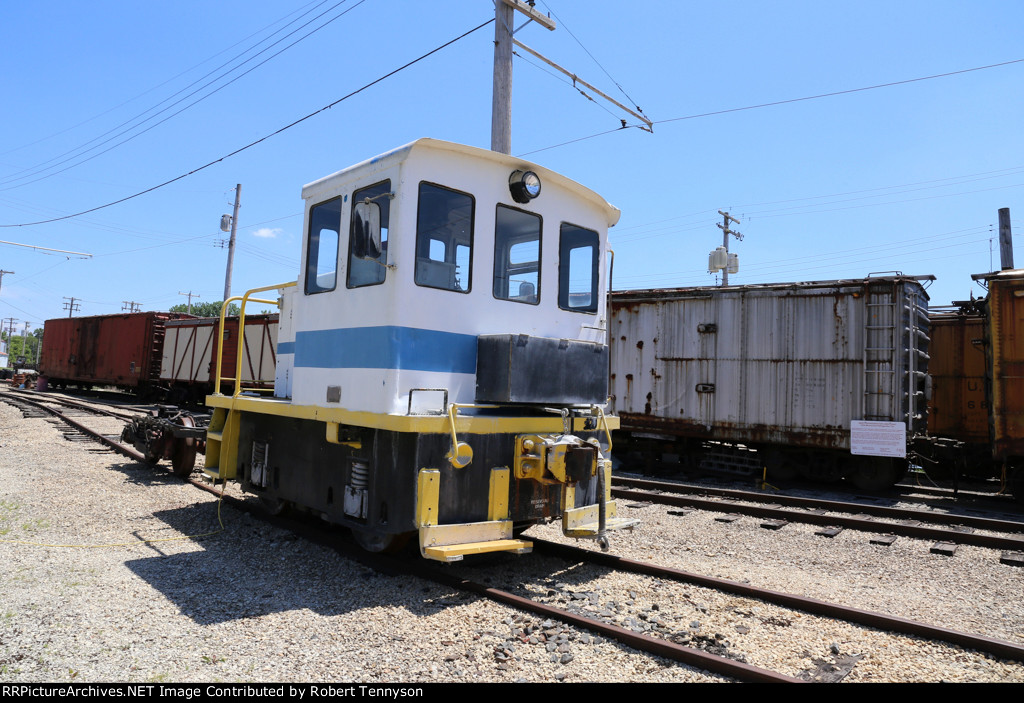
(444, 238)
(322, 246)
(517, 255)
(365, 269)
(578, 250)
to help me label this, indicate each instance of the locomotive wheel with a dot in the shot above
(183, 460)
(378, 543)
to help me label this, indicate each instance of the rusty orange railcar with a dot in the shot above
(976, 411)
(123, 350)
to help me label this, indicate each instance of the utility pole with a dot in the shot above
(2, 277)
(190, 295)
(231, 241)
(727, 218)
(71, 306)
(1005, 239)
(501, 96)
(10, 331)
(131, 306)
(24, 342)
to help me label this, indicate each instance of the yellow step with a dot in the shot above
(455, 552)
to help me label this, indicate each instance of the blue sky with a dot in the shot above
(907, 177)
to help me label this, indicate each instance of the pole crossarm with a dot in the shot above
(576, 79)
(530, 12)
(35, 246)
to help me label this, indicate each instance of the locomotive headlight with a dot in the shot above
(524, 186)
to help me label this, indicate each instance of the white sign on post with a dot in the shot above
(873, 438)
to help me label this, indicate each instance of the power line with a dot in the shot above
(617, 85)
(779, 102)
(261, 139)
(175, 114)
(841, 92)
(160, 85)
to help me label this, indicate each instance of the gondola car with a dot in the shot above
(190, 353)
(442, 358)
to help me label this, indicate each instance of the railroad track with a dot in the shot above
(85, 421)
(834, 515)
(708, 653)
(674, 642)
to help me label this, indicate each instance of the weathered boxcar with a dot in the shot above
(957, 407)
(1005, 363)
(977, 408)
(122, 350)
(189, 359)
(823, 379)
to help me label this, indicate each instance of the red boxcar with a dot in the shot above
(105, 350)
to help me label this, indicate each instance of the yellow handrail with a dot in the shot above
(241, 333)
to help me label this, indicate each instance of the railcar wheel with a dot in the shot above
(1016, 483)
(183, 460)
(874, 474)
(378, 543)
(273, 504)
(778, 465)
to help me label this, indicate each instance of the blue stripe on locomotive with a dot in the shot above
(386, 347)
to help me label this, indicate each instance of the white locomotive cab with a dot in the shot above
(410, 257)
(442, 358)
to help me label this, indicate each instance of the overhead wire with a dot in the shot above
(778, 102)
(301, 10)
(177, 102)
(258, 141)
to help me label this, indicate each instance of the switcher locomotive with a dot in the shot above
(442, 358)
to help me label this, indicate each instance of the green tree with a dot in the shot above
(207, 309)
(18, 345)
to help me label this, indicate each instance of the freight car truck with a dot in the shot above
(825, 380)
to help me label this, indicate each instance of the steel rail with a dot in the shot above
(393, 566)
(981, 523)
(646, 643)
(864, 524)
(116, 446)
(892, 623)
(125, 415)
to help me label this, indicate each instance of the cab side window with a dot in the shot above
(365, 269)
(578, 252)
(517, 255)
(322, 246)
(444, 238)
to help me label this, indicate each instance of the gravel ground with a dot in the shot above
(256, 604)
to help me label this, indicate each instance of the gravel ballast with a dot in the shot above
(254, 603)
